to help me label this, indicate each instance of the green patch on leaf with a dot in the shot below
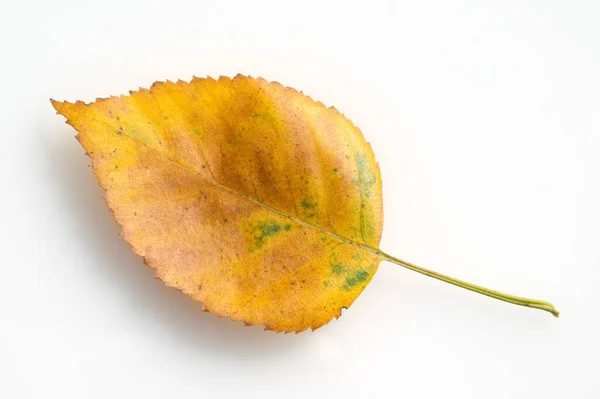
(263, 230)
(367, 177)
(307, 204)
(359, 276)
(309, 207)
(337, 268)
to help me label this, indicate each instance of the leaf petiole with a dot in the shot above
(527, 302)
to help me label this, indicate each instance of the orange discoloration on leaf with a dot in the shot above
(236, 191)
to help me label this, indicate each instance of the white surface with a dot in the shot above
(484, 116)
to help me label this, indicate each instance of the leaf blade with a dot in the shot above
(290, 285)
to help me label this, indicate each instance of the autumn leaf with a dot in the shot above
(248, 196)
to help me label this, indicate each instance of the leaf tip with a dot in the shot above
(56, 104)
(62, 107)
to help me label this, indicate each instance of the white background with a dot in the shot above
(484, 116)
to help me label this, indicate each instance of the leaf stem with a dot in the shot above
(530, 303)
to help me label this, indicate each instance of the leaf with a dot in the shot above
(248, 196)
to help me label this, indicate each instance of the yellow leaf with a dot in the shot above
(248, 196)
